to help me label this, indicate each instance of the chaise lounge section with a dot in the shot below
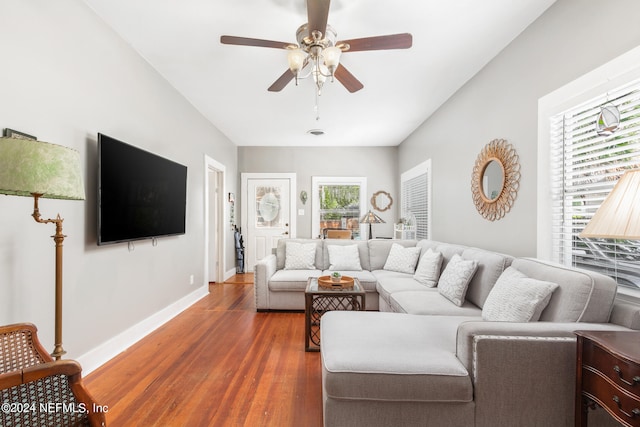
(428, 365)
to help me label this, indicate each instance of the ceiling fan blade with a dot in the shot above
(245, 41)
(347, 79)
(317, 15)
(282, 81)
(392, 41)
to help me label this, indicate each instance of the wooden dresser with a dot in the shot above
(608, 374)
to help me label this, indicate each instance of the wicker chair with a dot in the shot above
(35, 390)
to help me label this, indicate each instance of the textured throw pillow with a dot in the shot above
(402, 259)
(517, 298)
(300, 256)
(344, 257)
(455, 279)
(428, 270)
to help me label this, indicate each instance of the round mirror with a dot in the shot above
(495, 179)
(492, 180)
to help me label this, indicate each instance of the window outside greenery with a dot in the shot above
(340, 207)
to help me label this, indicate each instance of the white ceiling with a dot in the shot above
(452, 41)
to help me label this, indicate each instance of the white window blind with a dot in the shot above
(584, 168)
(416, 198)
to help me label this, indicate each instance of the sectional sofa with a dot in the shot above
(498, 350)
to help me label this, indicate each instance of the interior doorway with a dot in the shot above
(214, 224)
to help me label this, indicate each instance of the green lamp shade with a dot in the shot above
(28, 167)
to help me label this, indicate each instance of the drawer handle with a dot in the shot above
(619, 372)
(634, 413)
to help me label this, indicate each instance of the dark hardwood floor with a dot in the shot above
(219, 363)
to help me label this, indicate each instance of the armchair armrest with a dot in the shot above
(264, 269)
(48, 392)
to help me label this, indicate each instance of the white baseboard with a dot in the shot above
(95, 358)
(229, 273)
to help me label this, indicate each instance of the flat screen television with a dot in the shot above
(140, 195)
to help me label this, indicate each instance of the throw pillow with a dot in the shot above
(344, 257)
(428, 270)
(517, 298)
(300, 256)
(402, 259)
(455, 279)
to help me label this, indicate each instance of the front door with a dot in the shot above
(267, 209)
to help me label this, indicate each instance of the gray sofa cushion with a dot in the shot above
(580, 297)
(379, 250)
(430, 302)
(626, 314)
(291, 280)
(517, 298)
(281, 251)
(447, 250)
(363, 249)
(490, 267)
(392, 357)
(390, 285)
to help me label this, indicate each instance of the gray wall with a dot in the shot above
(377, 164)
(570, 39)
(65, 77)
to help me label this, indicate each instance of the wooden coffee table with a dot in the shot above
(320, 300)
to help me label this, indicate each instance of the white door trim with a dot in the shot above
(211, 165)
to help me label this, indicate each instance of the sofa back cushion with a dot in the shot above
(448, 250)
(490, 266)
(281, 251)
(581, 296)
(379, 251)
(626, 314)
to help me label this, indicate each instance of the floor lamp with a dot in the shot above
(371, 218)
(41, 170)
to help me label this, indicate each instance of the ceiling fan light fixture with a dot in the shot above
(331, 57)
(296, 58)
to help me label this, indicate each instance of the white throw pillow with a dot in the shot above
(428, 270)
(517, 298)
(455, 279)
(344, 257)
(300, 256)
(402, 259)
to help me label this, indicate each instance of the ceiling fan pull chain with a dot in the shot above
(317, 107)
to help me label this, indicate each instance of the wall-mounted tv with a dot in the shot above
(140, 195)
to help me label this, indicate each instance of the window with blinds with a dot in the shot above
(415, 198)
(585, 166)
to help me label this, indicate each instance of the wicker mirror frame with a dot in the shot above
(500, 151)
(381, 201)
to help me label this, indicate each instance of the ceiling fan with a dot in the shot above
(317, 53)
